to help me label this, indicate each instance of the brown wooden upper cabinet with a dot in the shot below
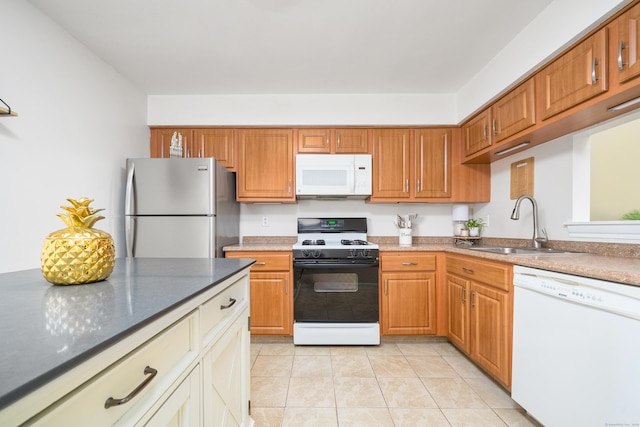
(334, 140)
(392, 164)
(217, 143)
(628, 46)
(425, 165)
(209, 142)
(577, 76)
(432, 163)
(509, 115)
(265, 166)
(161, 140)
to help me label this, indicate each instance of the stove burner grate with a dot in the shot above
(348, 242)
(319, 242)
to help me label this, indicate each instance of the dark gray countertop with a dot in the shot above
(47, 330)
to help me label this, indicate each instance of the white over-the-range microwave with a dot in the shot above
(333, 176)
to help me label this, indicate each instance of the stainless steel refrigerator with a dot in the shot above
(179, 208)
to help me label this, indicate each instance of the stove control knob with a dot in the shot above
(353, 253)
(305, 253)
(366, 253)
(316, 254)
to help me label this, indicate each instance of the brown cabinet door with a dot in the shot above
(391, 163)
(457, 311)
(477, 133)
(216, 143)
(432, 163)
(161, 141)
(628, 47)
(514, 112)
(314, 140)
(576, 76)
(270, 304)
(490, 337)
(265, 165)
(352, 141)
(408, 303)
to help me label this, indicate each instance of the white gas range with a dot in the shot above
(336, 283)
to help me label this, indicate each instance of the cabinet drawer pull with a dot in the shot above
(409, 263)
(260, 263)
(484, 132)
(468, 270)
(418, 187)
(471, 300)
(385, 286)
(494, 125)
(338, 139)
(621, 64)
(231, 302)
(464, 295)
(406, 186)
(115, 402)
(594, 77)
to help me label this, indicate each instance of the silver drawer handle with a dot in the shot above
(621, 63)
(115, 402)
(260, 263)
(468, 270)
(409, 263)
(231, 302)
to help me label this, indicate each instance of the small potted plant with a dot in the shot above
(474, 225)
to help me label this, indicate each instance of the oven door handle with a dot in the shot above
(334, 265)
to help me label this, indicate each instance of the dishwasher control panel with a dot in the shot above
(613, 297)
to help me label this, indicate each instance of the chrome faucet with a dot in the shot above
(537, 241)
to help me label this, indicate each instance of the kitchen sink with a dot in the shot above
(517, 251)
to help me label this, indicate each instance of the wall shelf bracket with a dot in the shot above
(5, 110)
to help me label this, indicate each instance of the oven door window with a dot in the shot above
(336, 294)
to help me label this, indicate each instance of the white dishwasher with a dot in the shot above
(576, 349)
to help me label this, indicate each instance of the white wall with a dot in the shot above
(78, 121)
(312, 109)
(557, 26)
(553, 186)
(433, 219)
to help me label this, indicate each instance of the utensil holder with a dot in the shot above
(405, 237)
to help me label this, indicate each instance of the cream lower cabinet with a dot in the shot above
(182, 408)
(225, 377)
(193, 372)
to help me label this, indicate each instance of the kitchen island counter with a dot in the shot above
(47, 331)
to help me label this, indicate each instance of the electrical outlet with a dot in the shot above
(486, 222)
(265, 221)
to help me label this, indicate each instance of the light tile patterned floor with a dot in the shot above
(396, 384)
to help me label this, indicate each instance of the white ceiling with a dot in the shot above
(294, 46)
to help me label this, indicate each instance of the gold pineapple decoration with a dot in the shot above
(79, 253)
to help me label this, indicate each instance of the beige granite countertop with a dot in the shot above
(614, 262)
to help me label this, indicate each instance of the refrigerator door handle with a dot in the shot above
(129, 232)
(129, 225)
(128, 197)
